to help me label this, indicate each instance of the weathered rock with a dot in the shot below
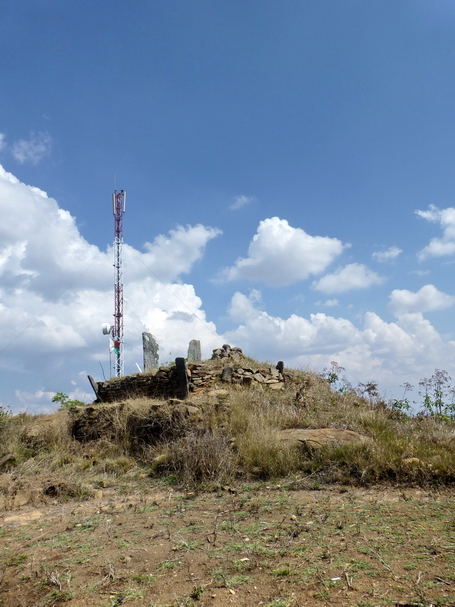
(22, 498)
(194, 351)
(227, 352)
(9, 458)
(94, 385)
(316, 438)
(226, 374)
(151, 349)
(182, 377)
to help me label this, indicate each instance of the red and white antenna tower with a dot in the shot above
(118, 208)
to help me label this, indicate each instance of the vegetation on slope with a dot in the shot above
(232, 433)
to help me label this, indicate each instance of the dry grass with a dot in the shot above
(233, 438)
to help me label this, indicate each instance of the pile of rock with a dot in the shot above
(227, 352)
(270, 377)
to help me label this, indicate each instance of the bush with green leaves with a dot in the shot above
(65, 401)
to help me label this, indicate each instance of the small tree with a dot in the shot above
(65, 402)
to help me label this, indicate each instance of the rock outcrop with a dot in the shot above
(313, 439)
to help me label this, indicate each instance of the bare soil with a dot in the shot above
(257, 544)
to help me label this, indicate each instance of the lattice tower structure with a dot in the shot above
(118, 207)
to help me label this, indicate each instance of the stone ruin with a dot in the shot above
(182, 378)
(227, 352)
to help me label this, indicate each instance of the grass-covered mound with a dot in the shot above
(232, 432)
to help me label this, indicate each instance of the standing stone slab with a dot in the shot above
(93, 384)
(226, 374)
(151, 351)
(182, 377)
(194, 351)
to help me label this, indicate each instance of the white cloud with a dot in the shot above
(56, 290)
(2, 141)
(281, 255)
(389, 353)
(387, 255)
(439, 247)
(420, 272)
(425, 300)
(241, 201)
(170, 256)
(33, 149)
(352, 276)
(330, 303)
(30, 400)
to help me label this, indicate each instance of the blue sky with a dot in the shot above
(290, 165)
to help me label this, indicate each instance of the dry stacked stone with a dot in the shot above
(200, 377)
(226, 352)
(270, 377)
(165, 383)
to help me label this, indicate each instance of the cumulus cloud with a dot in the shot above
(352, 276)
(387, 255)
(33, 149)
(56, 290)
(281, 255)
(389, 353)
(445, 245)
(428, 298)
(241, 201)
(170, 256)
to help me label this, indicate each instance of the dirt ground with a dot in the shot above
(255, 544)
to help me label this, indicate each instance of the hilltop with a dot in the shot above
(284, 489)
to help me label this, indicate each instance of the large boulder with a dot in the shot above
(316, 438)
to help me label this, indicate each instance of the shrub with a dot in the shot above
(65, 402)
(199, 457)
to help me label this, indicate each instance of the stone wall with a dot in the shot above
(165, 383)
